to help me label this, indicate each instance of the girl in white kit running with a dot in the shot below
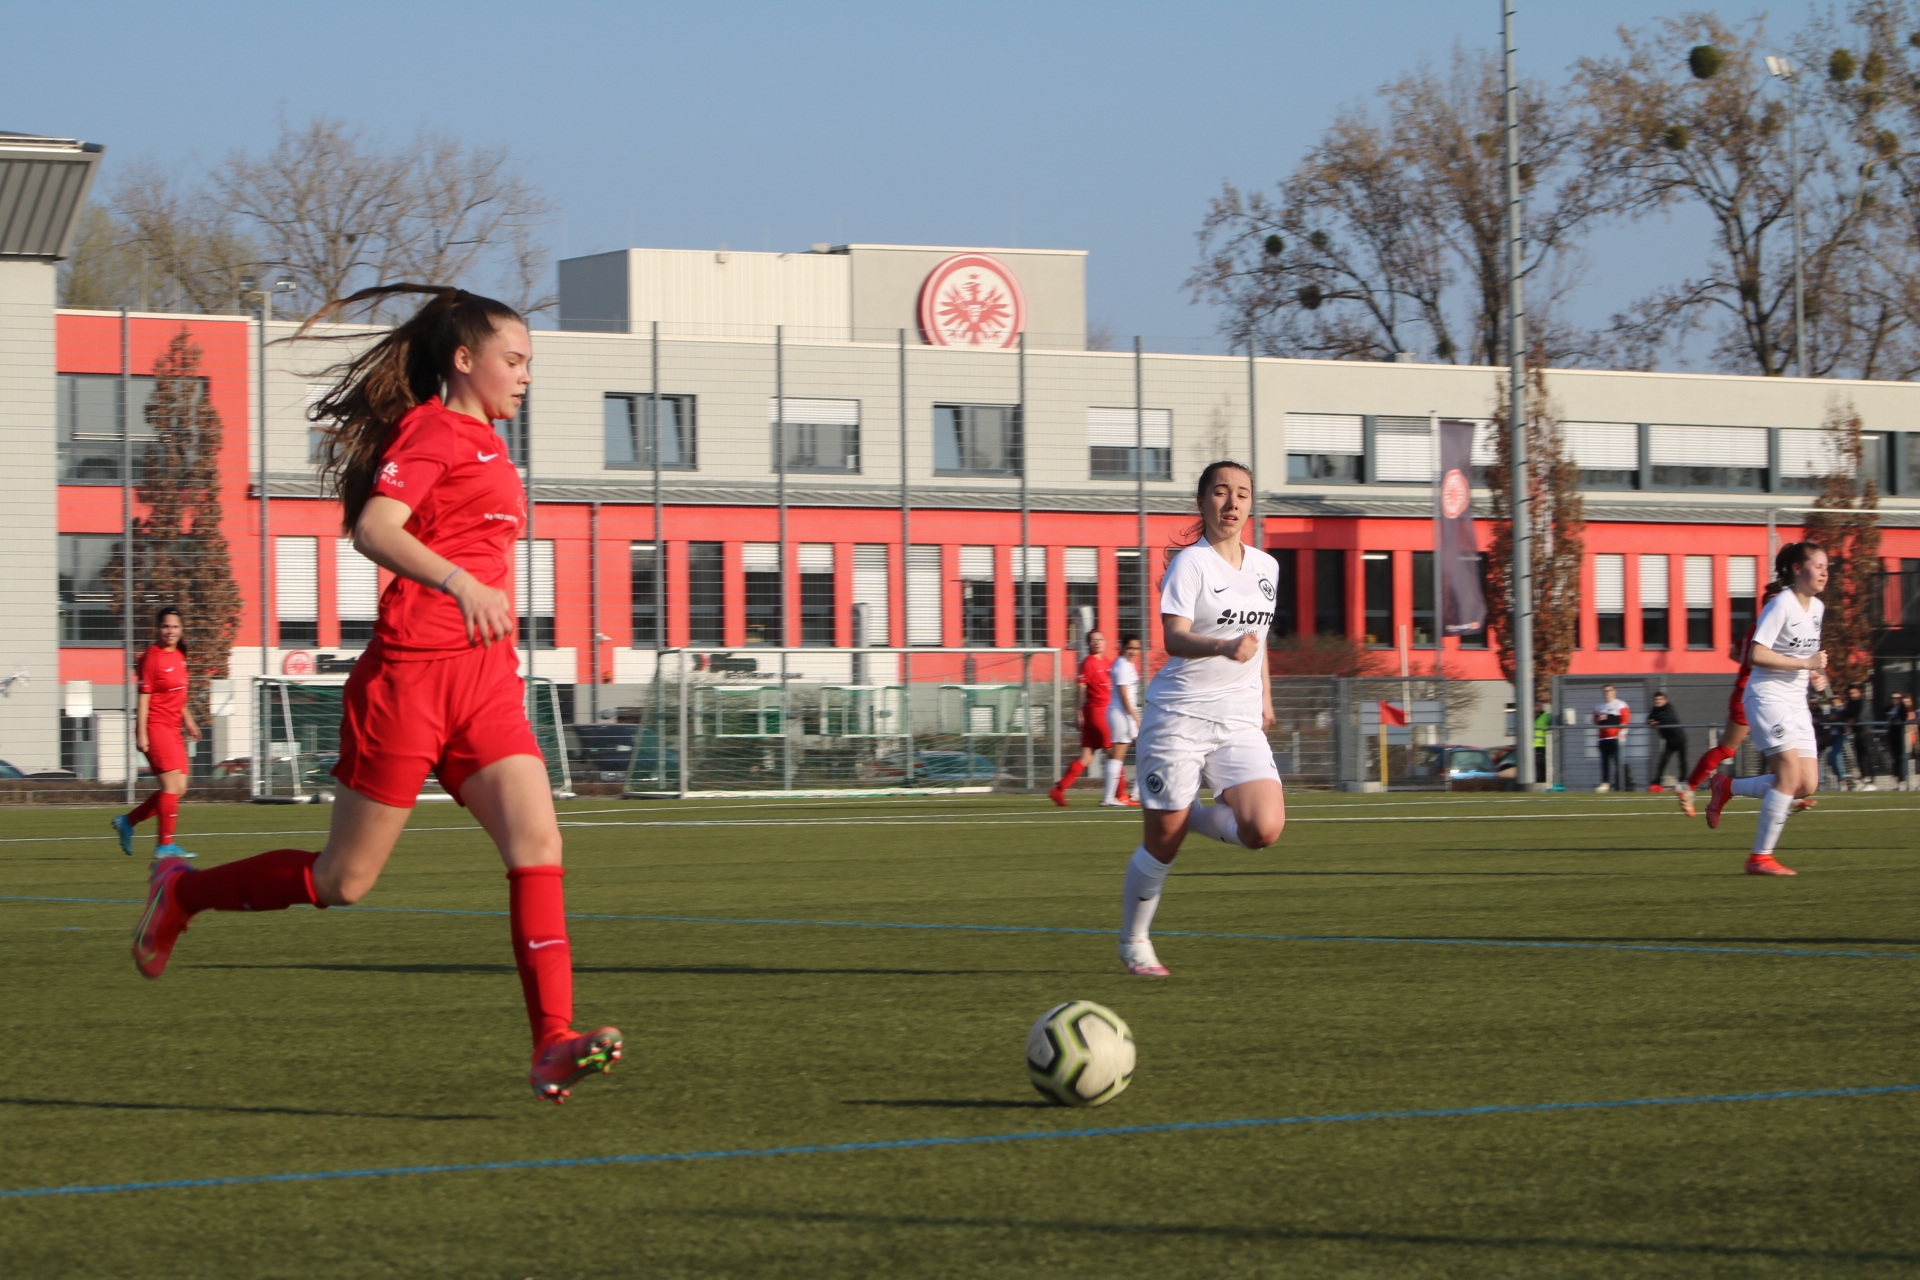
(1123, 722)
(1208, 709)
(1787, 657)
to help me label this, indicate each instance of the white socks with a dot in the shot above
(1113, 782)
(1216, 822)
(1141, 895)
(1756, 788)
(1774, 808)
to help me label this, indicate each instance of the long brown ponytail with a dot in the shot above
(376, 388)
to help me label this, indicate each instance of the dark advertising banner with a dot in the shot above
(1457, 549)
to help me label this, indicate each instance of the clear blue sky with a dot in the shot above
(1103, 127)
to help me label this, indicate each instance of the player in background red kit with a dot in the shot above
(429, 494)
(1735, 731)
(1096, 678)
(162, 731)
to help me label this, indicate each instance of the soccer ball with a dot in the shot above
(1080, 1054)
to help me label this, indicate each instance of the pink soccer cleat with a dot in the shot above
(568, 1058)
(1141, 961)
(162, 923)
(1722, 792)
(1764, 864)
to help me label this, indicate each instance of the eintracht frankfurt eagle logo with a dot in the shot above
(972, 300)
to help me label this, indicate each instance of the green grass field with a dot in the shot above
(305, 1041)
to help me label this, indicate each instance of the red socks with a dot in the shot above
(537, 908)
(148, 807)
(265, 882)
(1074, 771)
(1714, 758)
(169, 814)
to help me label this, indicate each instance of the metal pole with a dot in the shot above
(780, 468)
(1799, 280)
(1023, 580)
(1253, 445)
(1140, 502)
(260, 393)
(593, 609)
(906, 595)
(1522, 617)
(659, 550)
(130, 700)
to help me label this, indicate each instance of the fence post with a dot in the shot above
(686, 749)
(130, 695)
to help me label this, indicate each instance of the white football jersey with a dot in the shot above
(1790, 631)
(1223, 603)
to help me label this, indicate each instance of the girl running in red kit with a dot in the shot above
(162, 731)
(430, 495)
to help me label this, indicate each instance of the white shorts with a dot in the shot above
(1781, 723)
(1177, 753)
(1121, 728)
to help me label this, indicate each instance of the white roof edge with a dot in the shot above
(950, 248)
(154, 315)
(1586, 373)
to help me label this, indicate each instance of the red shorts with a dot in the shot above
(166, 751)
(1093, 733)
(451, 717)
(1737, 704)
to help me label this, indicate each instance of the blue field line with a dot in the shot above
(1068, 929)
(978, 1140)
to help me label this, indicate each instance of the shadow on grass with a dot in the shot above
(954, 1104)
(244, 1111)
(1428, 875)
(707, 970)
(1258, 1233)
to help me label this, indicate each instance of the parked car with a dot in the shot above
(936, 768)
(606, 751)
(11, 773)
(1472, 765)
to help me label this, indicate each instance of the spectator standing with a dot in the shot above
(1541, 724)
(1830, 723)
(1612, 716)
(1673, 740)
(1900, 712)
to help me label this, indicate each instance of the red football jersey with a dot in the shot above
(1096, 676)
(468, 505)
(1746, 645)
(163, 678)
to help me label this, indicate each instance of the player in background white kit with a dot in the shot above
(1786, 658)
(1208, 709)
(1123, 722)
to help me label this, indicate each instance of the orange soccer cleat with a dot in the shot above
(1685, 797)
(1764, 864)
(1722, 792)
(568, 1058)
(162, 923)
(1803, 804)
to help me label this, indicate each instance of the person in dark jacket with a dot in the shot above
(1858, 715)
(1900, 714)
(1673, 739)
(1830, 726)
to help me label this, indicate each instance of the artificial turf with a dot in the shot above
(312, 1041)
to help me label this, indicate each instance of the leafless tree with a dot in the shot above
(1390, 236)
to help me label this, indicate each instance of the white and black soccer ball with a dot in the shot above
(1080, 1054)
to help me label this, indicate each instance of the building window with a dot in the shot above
(977, 616)
(1698, 584)
(819, 435)
(1329, 593)
(923, 597)
(630, 437)
(89, 591)
(1376, 573)
(1743, 590)
(817, 609)
(1081, 567)
(871, 594)
(706, 593)
(517, 431)
(976, 440)
(649, 611)
(1030, 596)
(1402, 451)
(88, 420)
(1610, 601)
(1131, 581)
(1655, 616)
(766, 623)
(1607, 453)
(356, 591)
(1721, 458)
(535, 606)
(296, 589)
(1286, 592)
(1118, 446)
(1424, 623)
(1325, 448)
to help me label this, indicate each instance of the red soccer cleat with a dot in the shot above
(162, 923)
(1722, 792)
(1058, 796)
(568, 1058)
(1803, 804)
(1763, 864)
(1686, 801)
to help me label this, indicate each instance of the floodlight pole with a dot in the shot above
(1783, 69)
(1521, 622)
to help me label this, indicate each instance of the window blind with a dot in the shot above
(1707, 446)
(976, 564)
(1029, 564)
(760, 557)
(1082, 564)
(1653, 582)
(1610, 584)
(923, 595)
(539, 602)
(1605, 446)
(1114, 428)
(1699, 582)
(1743, 576)
(825, 413)
(296, 579)
(356, 582)
(816, 557)
(1325, 433)
(1403, 449)
(870, 588)
(1807, 453)
(1486, 444)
